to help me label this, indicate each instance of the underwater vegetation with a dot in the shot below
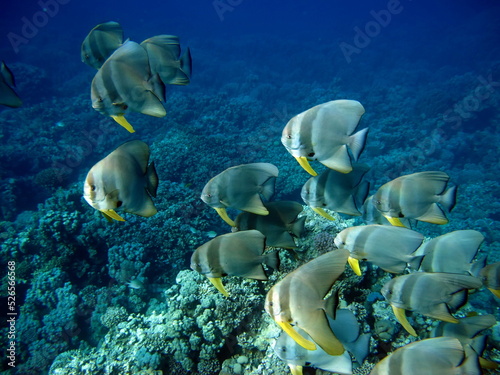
(103, 297)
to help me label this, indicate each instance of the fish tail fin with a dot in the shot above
(183, 72)
(361, 347)
(187, 64)
(449, 198)
(470, 365)
(458, 299)
(298, 227)
(158, 87)
(152, 180)
(361, 194)
(331, 305)
(272, 259)
(478, 265)
(267, 190)
(415, 262)
(357, 142)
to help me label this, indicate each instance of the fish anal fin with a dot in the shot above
(318, 328)
(434, 215)
(148, 209)
(441, 312)
(339, 161)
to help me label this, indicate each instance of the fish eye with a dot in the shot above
(92, 187)
(288, 136)
(119, 203)
(311, 154)
(125, 106)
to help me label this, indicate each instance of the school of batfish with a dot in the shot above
(434, 277)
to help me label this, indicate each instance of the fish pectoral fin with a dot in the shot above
(298, 338)
(304, 163)
(223, 214)
(120, 119)
(217, 282)
(295, 369)
(323, 213)
(112, 214)
(401, 317)
(395, 221)
(354, 263)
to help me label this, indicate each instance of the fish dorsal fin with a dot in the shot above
(137, 150)
(321, 273)
(152, 180)
(7, 75)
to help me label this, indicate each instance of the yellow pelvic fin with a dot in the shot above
(123, 122)
(323, 213)
(107, 217)
(354, 263)
(401, 317)
(495, 292)
(299, 339)
(217, 281)
(112, 214)
(304, 163)
(223, 214)
(487, 364)
(295, 370)
(395, 221)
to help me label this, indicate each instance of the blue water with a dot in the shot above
(427, 73)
